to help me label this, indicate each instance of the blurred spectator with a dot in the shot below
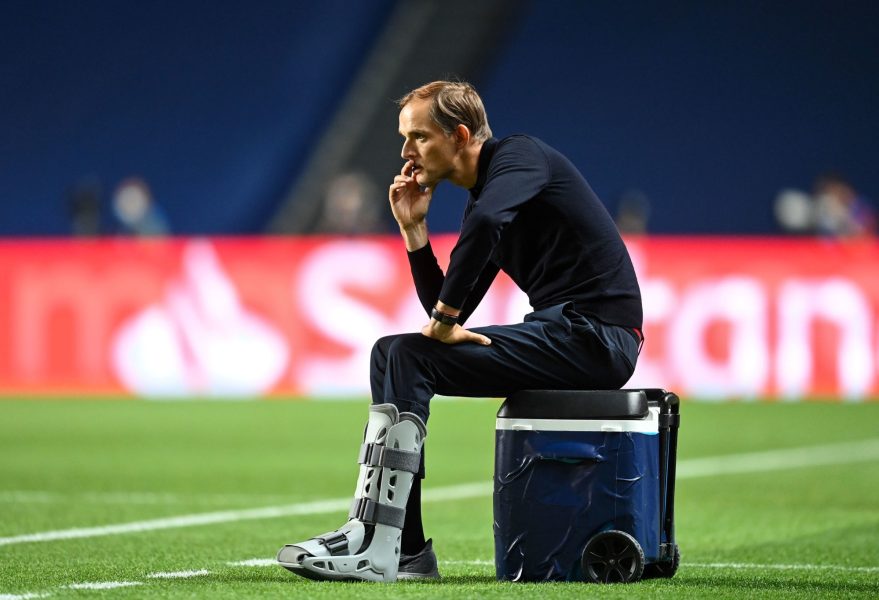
(85, 208)
(834, 209)
(795, 211)
(839, 210)
(353, 205)
(136, 210)
(633, 212)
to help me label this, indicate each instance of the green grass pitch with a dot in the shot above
(773, 500)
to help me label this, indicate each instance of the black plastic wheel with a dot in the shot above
(664, 569)
(612, 557)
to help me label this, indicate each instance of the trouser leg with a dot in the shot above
(555, 348)
(413, 540)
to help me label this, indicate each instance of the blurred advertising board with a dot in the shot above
(741, 318)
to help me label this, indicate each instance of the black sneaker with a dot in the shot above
(419, 566)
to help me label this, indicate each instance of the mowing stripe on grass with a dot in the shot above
(454, 492)
(751, 462)
(269, 562)
(134, 497)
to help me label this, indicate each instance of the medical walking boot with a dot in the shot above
(367, 547)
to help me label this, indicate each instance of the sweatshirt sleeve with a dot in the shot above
(428, 278)
(482, 284)
(518, 172)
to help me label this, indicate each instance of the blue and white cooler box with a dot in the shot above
(584, 486)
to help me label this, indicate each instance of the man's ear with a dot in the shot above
(462, 136)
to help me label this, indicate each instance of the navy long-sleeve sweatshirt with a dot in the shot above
(534, 216)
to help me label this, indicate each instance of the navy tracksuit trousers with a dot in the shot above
(554, 348)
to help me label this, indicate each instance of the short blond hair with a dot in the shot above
(453, 103)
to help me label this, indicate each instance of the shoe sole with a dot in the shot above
(418, 576)
(308, 574)
(302, 572)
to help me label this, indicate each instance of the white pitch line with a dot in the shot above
(270, 562)
(227, 516)
(780, 460)
(254, 562)
(717, 565)
(178, 574)
(25, 596)
(455, 492)
(752, 462)
(782, 567)
(102, 585)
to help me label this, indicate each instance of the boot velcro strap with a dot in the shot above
(369, 511)
(336, 543)
(376, 455)
(368, 454)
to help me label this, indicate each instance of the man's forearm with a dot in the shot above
(415, 236)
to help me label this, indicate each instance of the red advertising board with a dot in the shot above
(724, 317)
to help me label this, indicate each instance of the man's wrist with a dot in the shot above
(444, 317)
(445, 308)
(415, 236)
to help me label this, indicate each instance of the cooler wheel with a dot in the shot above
(613, 557)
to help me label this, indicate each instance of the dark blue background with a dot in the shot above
(709, 108)
(215, 103)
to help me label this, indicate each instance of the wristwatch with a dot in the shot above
(444, 318)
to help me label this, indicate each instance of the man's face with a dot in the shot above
(431, 149)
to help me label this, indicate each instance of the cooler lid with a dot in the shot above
(575, 404)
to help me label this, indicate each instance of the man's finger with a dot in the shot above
(470, 336)
(481, 339)
(407, 167)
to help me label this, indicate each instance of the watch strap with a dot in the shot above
(444, 318)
